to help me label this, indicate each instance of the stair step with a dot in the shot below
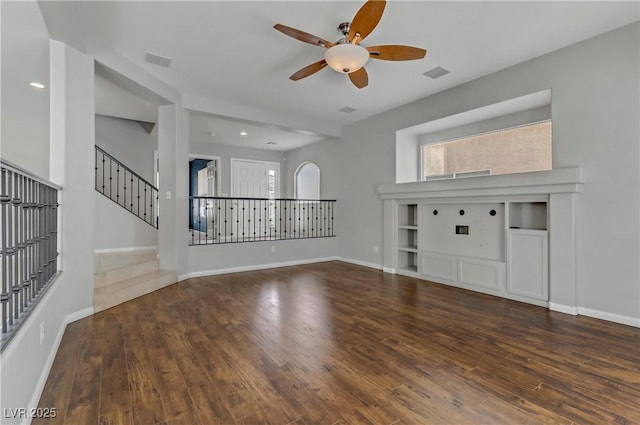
(126, 290)
(123, 273)
(116, 260)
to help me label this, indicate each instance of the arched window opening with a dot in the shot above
(307, 181)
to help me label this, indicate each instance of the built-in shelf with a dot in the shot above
(528, 215)
(408, 248)
(407, 238)
(410, 269)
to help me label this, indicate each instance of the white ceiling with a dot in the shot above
(229, 51)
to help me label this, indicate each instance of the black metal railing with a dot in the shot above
(29, 207)
(126, 188)
(230, 220)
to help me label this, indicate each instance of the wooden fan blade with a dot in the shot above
(366, 20)
(309, 70)
(303, 36)
(359, 78)
(394, 52)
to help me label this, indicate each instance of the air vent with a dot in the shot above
(157, 59)
(436, 72)
(347, 109)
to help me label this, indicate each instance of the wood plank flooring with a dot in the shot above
(334, 343)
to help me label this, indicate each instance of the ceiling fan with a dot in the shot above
(346, 55)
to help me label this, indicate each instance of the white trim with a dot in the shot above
(255, 267)
(44, 374)
(611, 317)
(390, 270)
(361, 263)
(561, 308)
(129, 249)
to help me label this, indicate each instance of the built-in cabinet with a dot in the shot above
(527, 250)
(499, 248)
(516, 238)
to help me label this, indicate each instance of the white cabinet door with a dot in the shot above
(527, 263)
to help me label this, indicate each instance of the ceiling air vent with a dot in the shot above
(436, 72)
(157, 59)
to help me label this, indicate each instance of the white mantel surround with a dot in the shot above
(559, 188)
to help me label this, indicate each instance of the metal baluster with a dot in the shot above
(110, 178)
(103, 160)
(4, 296)
(131, 195)
(17, 201)
(124, 189)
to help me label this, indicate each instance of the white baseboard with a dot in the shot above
(611, 317)
(128, 249)
(254, 267)
(360, 263)
(389, 270)
(561, 308)
(44, 374)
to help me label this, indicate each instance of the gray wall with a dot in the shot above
(24, 134)
(128, 142)
(226, 152)
(324, 154)
(595, 112)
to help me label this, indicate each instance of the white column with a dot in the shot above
(72, 165)
(389, 235)
(562, 253)
(173, 150)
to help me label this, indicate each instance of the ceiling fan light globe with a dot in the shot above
(346, 58)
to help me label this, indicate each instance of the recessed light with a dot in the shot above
(212, 134)
(37, 85)
(347, 109)
(243, 133)
(271, 143)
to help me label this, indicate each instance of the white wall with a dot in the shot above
(116, 227)
(227, 258)
(595, 112)
(24, 46)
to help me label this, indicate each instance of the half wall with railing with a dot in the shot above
(218, 220)
(28, 259)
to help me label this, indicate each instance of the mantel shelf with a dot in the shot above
(562, 180)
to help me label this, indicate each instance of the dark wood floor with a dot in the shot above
(334, 343)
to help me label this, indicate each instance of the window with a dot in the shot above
(513, 150)
(307, 181)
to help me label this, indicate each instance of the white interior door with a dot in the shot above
(250, 179)
(253, 179)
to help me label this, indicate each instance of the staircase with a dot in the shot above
(120, 277)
